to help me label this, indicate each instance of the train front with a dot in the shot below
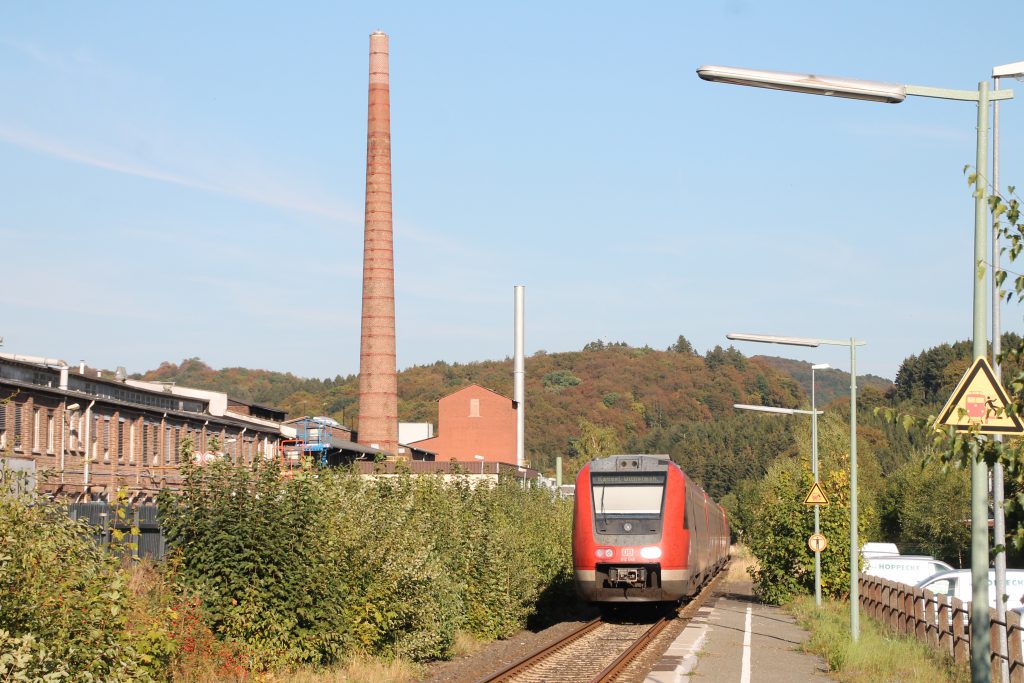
(629, 544)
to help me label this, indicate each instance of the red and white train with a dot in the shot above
(643, 531)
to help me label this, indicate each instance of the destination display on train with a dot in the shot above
(600, 479)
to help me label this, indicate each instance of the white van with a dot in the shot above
(876, 549)
(957, 584)
(908, 569)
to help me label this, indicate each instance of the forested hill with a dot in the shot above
(608, 397)
(614, 398)
(830, 384)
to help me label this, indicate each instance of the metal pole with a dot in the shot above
(854, 545)
(558, 472)
(519, 375)
(814, 473)
(999, 526)
(981, 666)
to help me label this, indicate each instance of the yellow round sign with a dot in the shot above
(817, 543)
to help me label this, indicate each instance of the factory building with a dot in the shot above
(474, 423)
(84, 434)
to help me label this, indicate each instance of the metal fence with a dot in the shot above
(444, 467)
(150, 539)
(941, 621)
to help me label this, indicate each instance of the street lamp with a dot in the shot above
(814, 473)
(895, 93)
(813, 412)
(854, 545)
(1015, 70)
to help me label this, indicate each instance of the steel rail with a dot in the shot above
(684, 612)
(617, 667)
(611, 671)
(529, 660)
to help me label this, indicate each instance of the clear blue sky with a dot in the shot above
(187, 179)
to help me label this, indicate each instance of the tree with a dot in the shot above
(560, 379)
(925, 509)
(781, 525)
(594, 441)
(683, 345)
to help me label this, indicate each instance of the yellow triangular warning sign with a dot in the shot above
(815, 496)
(979, 401)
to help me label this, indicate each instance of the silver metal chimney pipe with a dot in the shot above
(519, 376)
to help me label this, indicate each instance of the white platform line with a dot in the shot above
(745, 671)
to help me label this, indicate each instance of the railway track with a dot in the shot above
(599, 651)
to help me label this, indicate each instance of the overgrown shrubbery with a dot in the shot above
(782, 524)
(311, 568)
(63, 601)
(776, 523)
(271, 572)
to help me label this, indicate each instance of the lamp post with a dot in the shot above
(1015, 70)
(814, 473)
(813, 412)
(893, 93)
(854, 545)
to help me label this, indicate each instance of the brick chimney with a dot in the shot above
(378, 381)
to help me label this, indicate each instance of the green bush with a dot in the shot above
(324, 564)
(64, 604)
(781, 525)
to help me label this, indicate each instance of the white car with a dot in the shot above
(957, 584)
(908, 569)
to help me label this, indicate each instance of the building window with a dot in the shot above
(107, 434)
(36, 422)
(50, 432)
(17, 427)
(76, 439)
(474, 407)
(131, 441)
(120, 435)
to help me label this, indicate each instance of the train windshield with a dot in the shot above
(628, 494)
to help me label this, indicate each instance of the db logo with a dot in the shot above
(628, 552)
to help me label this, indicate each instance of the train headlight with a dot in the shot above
(650, 553)
(604, 552)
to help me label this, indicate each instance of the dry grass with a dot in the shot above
(357, 670)
(879, 655)
(466, 644)
(742, 561)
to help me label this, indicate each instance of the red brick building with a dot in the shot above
(474, 421)
(97, 433)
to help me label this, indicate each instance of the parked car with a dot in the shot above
(957, 584)
(908, 569)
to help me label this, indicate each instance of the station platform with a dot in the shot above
(736, 639)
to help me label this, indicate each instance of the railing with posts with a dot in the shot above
(941, 621)
(444, 467)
